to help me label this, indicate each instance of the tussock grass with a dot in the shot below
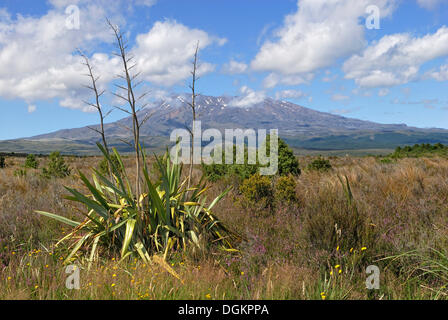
(396, 220)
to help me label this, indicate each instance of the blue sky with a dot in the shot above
(315, 53)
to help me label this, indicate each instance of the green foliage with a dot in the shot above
(2, 162)
(320, 164)
(287, 164)
(386, 160)
(258, 190)
(215, 171)
(419, 150)
(166, 217)
(31, 162)
(57, 168)
(103, 167)
(285, 189)
(20, 173)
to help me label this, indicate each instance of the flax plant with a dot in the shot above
(175, 217)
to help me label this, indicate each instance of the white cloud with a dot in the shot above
(36, 54)
(395, 59)
(317, 35)
(31, 108)
(38, 60)
(164, 54)
(429, 4)
(383, 92)
(289, 94)
(339, 97)
(248, 98)
(441, 74)
(275, 79)
(234, 67)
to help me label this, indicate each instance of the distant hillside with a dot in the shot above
(301, 127)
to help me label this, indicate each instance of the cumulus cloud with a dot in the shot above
(395, 59)
(248, 98)
(37, 53)
(317, 35)
(234, 67)
(441, 74)
(383, 92)
(164, 54)
(275, 79)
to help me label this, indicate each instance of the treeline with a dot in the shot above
(418, 150)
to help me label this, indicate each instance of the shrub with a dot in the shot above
(285, 189)
(103, 167)
(320, 164)
(419, 150)
(20, 173)
(2, 162)
(257, 190)
(287, 164)
(31, 162)
(386, 160)
(57, 168)
(215, 172)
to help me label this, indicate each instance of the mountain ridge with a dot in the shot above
(302, 127)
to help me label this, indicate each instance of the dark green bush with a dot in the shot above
(57, 168)
(287, 164)
(215, 171)
(320, 164)
(2, 162)
(419, 150)
(31, 162)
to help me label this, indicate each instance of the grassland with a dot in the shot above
(316, 247)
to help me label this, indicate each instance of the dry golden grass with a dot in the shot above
(289, 253)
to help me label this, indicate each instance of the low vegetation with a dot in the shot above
(316, 246)
(56, 168)
(420, 150)
(31, 162)
(320, 164)
(287, 164)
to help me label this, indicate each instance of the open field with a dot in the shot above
(316, 247)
